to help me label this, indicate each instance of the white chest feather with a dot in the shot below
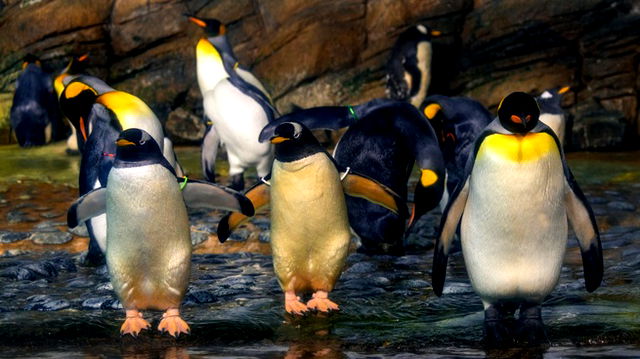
(424, 64)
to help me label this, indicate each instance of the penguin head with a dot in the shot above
(212, 27)
(29, 59)
(77, 64)
(76, 101)
(427, 31)
(294, 141)
(518, 112)
(136, 145)
(550, 100)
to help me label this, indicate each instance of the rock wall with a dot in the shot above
(316, 52)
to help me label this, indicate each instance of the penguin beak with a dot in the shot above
(83, 57)
(278, 139)
(436, 33)
(520, 120)
(564, 89)
(197, 21)
(122, 142)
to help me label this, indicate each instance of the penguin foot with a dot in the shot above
(321, 302)
(173, 324)
(237, 182)
(531, 330)
(496, 329)
(134, 323)
(293, 305)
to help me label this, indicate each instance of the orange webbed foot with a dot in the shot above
(293, 305)
(321, 302)
(134, 323)
(173, 324)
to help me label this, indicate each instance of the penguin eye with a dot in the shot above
(142, 142)
(296, 135)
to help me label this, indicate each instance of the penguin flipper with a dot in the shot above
(92, 204)
(584, 225)
(210, 146)
(358, 185)
(448, 225)
(260, 197)
(200, 194)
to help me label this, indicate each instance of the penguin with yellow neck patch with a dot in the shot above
(148, 239)
(310, 232)
(513, 206)
(236, 106)
(409, 67)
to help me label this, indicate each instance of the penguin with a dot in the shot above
(238, 108)
(409, 67)
(551, 113)
(34, 114)
(457, 122)
(513, 206)
(145, 201)
(99, 123)
(75, 67)
(310, 233)
(384, 140)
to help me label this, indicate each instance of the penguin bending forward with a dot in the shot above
(310, 233)
(148, 238)
(512, 208)
(384, 140)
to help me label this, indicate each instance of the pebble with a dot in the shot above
(200, 296)
(621, 206)
(80, 283)
(414, 284)
(10, 237)
(50, 215)
(103, 302)
(51, 237)
(17, 216)
(199, 234)
(47, 226)
(239, 235)
(265, 236)
(362, 267)
(45, 303)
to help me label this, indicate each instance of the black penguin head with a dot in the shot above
(427, 31)
(550, 100)
(294, 141)
(136, 145)
(76, 102)
(77, 64)
(212, 27)
(518, 112)
(30, 59)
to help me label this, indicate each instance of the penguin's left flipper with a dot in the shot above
(584, 225)
(448, 225)
(200, 194)
(358, 185)
(90, 205)
(260, 197)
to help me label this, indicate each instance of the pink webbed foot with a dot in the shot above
(134, 323)
(321, 302)
(293, 305)
(173, 324)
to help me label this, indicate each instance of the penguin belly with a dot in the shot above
(148, 238)
(310, 233)
(424, 55)
(238, 120)
(514, 226)
(556, 122)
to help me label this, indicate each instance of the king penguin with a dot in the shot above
(310, 233)
(512, 208)
(148, 238)
(73, 69)
(457, 121)
(34, 114)
(409, 67)
(551, 113)
(236, 104)
(98, 126)
(384, 140)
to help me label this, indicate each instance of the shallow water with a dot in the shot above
(52, 307)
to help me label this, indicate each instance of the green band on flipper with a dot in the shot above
(184, 183)
(353, 113)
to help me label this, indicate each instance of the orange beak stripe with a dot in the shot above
(82, 130)
(83, 57)
(413, 216)
(197, 21)
(516, 119)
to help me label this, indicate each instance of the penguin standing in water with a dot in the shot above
(148, 239)
(310, 232)
(409, 67)
(235, 103)
(98, 125)
(513, 207)
(75, 67)
(551, 113)
(34, 114)
(384, 140)
(457, 122)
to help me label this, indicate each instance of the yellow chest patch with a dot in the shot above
(518, 148)
(206, 51)
(126, 106)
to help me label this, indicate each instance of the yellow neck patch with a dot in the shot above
(75, 88)
(206, 51)
(58, 85)
(518, 148)
(125, 106)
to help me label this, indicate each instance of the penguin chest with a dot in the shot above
(515, 217)
(148, 238)
(238, 119)
(309, 228)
